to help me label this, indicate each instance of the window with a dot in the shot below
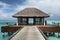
(38, 20)
(24, 20)
(19, 21)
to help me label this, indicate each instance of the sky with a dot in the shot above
(10, 7)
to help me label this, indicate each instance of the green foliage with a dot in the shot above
(7, 23)
(56, 23)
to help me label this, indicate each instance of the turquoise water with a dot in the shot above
(5, 37)
(55, 37)
(3, 23)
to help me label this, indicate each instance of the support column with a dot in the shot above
(27, 20)
(44, 21)
(34, 21)
(17, 22)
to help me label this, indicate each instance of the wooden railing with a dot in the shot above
(10, 28)
(44, 29)
(50, 29)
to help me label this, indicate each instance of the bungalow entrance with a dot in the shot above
(30, 16)
(35, 21)
(30, 20)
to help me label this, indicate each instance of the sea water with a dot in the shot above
(3, 23)
(6, 36)
(1, 34)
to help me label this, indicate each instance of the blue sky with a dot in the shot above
(10, 7)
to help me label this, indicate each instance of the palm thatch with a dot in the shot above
(31, 12)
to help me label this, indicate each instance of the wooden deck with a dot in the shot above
(46, 28)
(29, 33)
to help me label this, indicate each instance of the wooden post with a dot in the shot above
(58, 30)
(27, 21)
(44, 21)
(17, 22)
(34, 21)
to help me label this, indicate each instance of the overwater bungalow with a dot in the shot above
(31, 17)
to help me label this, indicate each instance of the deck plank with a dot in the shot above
(28, 33)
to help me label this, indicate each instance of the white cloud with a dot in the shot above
(4, 5)
(49, 6)
(3, 14)
(41, 4)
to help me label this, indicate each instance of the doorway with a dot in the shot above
(31, 21)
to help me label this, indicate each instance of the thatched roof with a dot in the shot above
(31, 12)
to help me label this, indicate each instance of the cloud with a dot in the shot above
(2, 15)
(46, 5)
(6, 11)
(52, 7)
(4, 5)
(5, 16)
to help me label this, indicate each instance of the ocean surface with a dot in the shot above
(12, 22)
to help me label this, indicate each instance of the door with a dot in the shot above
(30, 21)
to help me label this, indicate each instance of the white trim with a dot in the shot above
(44, 22)
(17, 22)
